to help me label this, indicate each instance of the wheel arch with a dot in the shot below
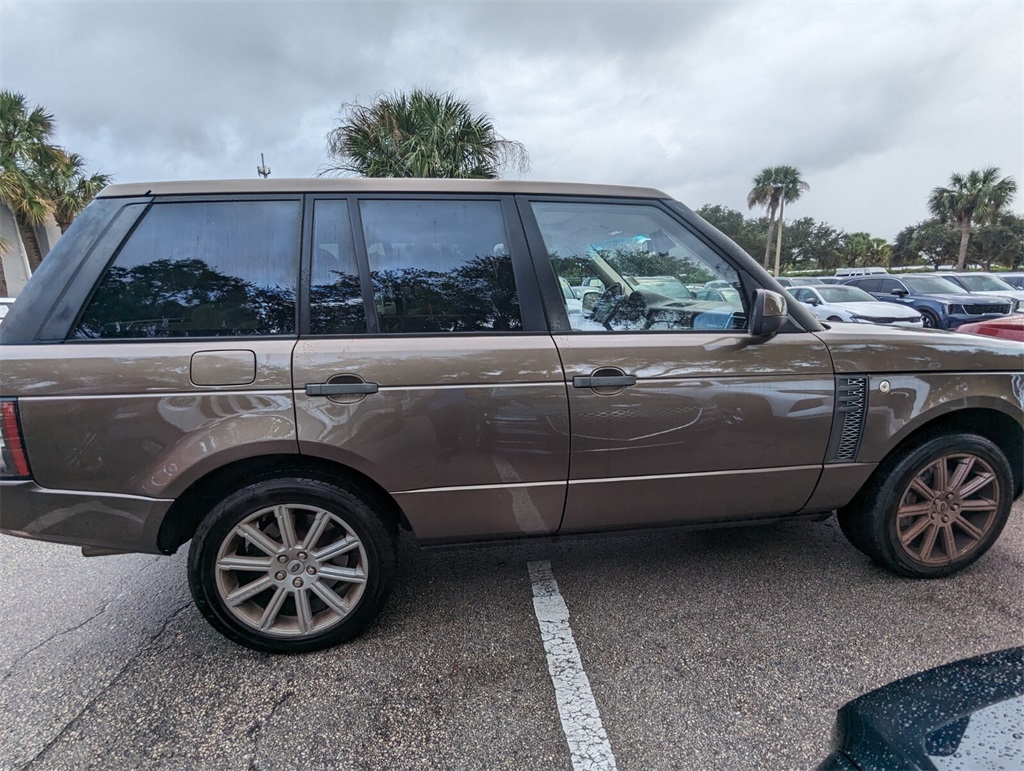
(996, 426)
(189, 508)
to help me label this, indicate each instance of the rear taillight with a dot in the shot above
(13, 460)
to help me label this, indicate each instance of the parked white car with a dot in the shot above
(832, 302)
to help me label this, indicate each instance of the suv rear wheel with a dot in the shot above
(934, 509)
(289, 565)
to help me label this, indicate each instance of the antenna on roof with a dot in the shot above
(263, 170)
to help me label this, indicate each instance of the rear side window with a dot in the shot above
(202, 269)
(886, 285)
(336, 297)
(440, 266)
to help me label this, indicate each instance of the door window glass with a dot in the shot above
(202, 269)
(336, 296)
(886, 285)
(653, 274)
(440, 266)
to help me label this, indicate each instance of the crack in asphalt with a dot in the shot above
(106, 606)
(256, 730)
(146, 645)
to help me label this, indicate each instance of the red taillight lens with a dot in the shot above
(13, 460)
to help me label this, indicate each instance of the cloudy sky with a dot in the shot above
(875, 102)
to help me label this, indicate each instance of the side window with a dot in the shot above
(201, 269)
(336, 296)
(886, 285)
(653, 273)
(803, 295)
(868, 284)
(440, 266)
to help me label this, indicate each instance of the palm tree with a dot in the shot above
(980, 197)
(69, 189)
(773, 188)
(420, 134)
(25, 148)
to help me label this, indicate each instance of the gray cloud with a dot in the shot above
(876, 103)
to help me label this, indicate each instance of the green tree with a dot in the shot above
(747, 233)
(929, 241)
(773, 188)
(978, 196)
(1000, 243)
(68, 187)
(38, 179)
(420, 134)
(26, 147)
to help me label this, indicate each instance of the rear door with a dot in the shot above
(677, 414)
(425, 364)
(179, 362)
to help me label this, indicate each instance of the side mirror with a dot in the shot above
(900, 292)
(811, 301)
(589, 299)
(768, 313)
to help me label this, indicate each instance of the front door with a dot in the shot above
(677, 414)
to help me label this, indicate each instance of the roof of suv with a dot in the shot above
(389, 185)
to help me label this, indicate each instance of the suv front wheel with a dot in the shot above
(935, 508)
(289, 565)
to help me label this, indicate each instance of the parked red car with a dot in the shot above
(1009, 327)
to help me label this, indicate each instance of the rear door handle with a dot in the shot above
(603, 381)
(340, 389)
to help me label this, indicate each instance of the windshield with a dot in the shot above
(844, 294)
(932, 285)
(978, 283)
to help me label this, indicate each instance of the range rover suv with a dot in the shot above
(286, 373)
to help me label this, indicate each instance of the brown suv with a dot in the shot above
(286, 372)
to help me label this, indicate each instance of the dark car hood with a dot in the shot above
(866, 348)
(924, 720)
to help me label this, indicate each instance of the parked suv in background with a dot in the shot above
(986, 283)
(941, 303)
(286, 372)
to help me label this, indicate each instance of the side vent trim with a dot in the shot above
(848, 420)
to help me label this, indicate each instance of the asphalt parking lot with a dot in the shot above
(712, 649)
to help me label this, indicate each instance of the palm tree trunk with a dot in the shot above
(768, 240)
(965, 234)
(32, 250)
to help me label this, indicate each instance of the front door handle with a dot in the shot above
(603, 381)
(340, 389)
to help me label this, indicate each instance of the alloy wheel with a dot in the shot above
(291, 570)
(948, 509)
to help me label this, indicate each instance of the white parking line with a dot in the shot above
(581, 721)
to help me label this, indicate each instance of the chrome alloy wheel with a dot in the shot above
(291, 570)
(948, 509)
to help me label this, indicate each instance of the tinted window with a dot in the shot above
(886, 285)
(440, 266)
(932, 285)
(867, 284)
(336, 297)
(658, 275)
(202, 269)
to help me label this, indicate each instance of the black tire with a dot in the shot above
(928, 319)
(934, 508)
(312, 596)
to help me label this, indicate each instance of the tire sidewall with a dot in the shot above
(886, 521)
(218, 525)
